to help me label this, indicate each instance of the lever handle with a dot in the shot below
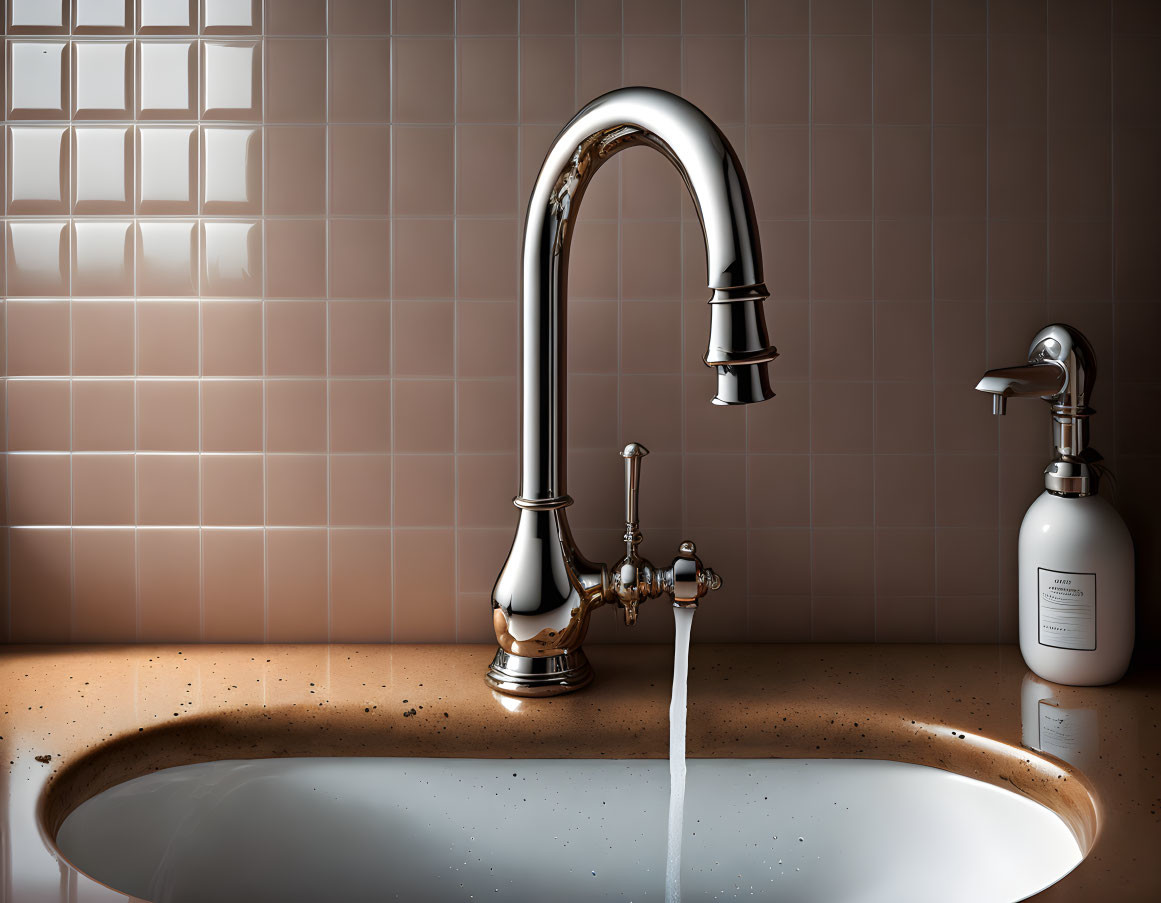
(632, 453)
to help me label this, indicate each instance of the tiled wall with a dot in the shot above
(261, 321)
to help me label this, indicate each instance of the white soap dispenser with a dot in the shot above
(1076, 555)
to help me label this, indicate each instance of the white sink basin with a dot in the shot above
(355, 829)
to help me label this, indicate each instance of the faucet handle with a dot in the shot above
(687, 580)
(632, 453)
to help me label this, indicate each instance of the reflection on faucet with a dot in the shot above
(547, 589)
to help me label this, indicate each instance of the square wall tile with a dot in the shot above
(360, 490)
(231, 80)
(40, 589)
(360, 415)
(167, 16)
(37, 258)
(38, 169)
(231, 16)
(102, 79)
(103, 16)
(103, 170)
(421, 617)
(37, 16)
(232, 489)
(296, 565)
(359, 254)
(103, 338)
(167, 338)
(232, 259)
(296, 79)
(167, 174)
(103, 490)
(233, 567)
(38, 491)
(169, 585)
(423, 333)
(231, 170)
(424, 416)
(167, 415)
(482, 249)
(424, 82)
(424, 491)
(103, 415)
(296, 338)
(231, 338)
(487, 82)
(296, 258)
(360, 338)
(296, 169)
(167, 79)
(423, 259)
(296, 415)
(360, 166)
(105, 594)
(167, 489)
(231, 415)
(486, 181)
(38, 80)
(359, 17)
(359, 80)
(167, 258)
(360, 587)
(296, 490)
(103, 257)
(297, 17)
(38, 336)
(424, 170)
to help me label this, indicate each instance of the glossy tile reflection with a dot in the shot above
(102, 79)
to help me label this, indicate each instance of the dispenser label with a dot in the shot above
(1067, 609)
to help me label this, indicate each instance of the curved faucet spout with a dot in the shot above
(547, 589)
(739, 346)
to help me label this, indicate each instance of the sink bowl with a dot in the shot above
(355, 829)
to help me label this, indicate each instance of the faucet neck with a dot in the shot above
(693, 144)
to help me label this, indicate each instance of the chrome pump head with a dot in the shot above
(1061, 369)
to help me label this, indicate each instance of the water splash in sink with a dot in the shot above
(683, 621)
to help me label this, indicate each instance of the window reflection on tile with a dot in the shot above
(169, 16)
(167, 166)
(232, 256)
(232, 173)
(38, 258)
(102, 16)
(231, 16)
(39, 16)
(166, 255)
(102, 169)
(102, 257)
(167, 80)
(37, 169)
(37, 83)
(230, 80)
(101, 77)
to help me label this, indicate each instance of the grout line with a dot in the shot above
(810, 300)
(874, 375)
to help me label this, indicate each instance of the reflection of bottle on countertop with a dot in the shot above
(1075, 555)
(1054, 722)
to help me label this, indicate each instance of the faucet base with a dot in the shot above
(554, 675)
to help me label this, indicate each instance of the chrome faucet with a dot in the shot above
(1061, 369)
(547, 589)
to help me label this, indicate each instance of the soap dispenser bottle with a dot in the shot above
(1075, 552)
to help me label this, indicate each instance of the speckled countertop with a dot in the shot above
(78, 719)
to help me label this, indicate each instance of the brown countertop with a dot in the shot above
(78, 719)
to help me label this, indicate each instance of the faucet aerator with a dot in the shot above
(743, 384)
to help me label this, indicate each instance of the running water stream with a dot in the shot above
(683, 621)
